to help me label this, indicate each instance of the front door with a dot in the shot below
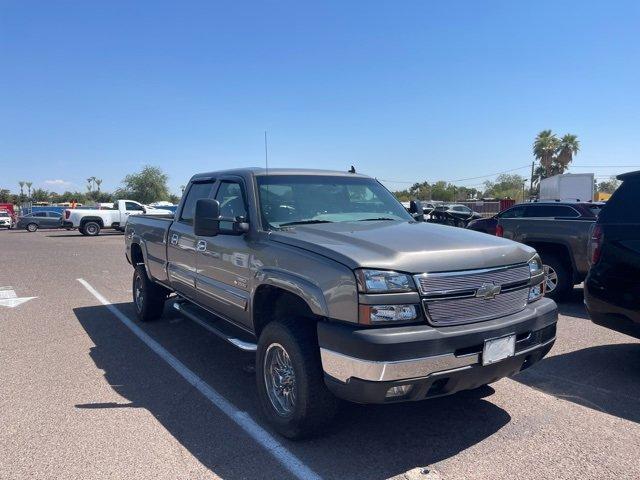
(181, 242)
(224, 262)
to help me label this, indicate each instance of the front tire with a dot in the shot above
(32, 227)
(148, 297)
(91, 229)
(558, 280)
(290, 379)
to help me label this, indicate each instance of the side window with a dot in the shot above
(196, 192)
(40, 214)
(55, 214)
(133, 207)
(515, 212)
(551, 211)
(232, 202)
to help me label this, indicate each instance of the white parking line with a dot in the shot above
(255, 431)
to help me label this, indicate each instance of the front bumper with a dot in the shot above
(361, 365)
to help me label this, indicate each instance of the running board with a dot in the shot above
(196, 314)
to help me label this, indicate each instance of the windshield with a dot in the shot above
(4, 214)
(299, 199)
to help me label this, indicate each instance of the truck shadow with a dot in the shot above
(605, 378)
(573, 304)
(367, 442)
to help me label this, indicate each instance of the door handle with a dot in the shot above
(202, 246)
(174, 239)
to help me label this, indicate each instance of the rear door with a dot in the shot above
(54, 220)
(181, 241)
(224, 261)
(618, 269)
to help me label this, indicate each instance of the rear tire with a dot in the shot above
(148, 297)
(313, 406)
(91, 229)
(32, 227)
(558, 278)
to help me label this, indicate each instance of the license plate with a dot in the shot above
(498, 349)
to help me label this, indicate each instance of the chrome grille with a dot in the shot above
(453, 311)
(450, 282)
(450, 298)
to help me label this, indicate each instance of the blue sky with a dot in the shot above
(406, 91)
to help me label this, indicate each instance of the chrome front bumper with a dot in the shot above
(343, 367)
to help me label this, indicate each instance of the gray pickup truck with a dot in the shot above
(560, 233)
(339, 291)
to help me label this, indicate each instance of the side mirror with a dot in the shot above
(206, 221)
(144, 210)
(413, 207)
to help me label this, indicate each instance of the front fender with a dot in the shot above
(304, 288)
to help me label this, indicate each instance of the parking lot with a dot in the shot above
(86, 392)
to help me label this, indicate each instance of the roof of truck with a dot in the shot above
(259, 171)
(628, 175)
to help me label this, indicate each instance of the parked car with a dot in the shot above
(462, 212)
(35, 220)
(8, 207)
(488, 225)
(6, 221)
(90, 221)
(339, 291)
(560, 232)
(612, 288)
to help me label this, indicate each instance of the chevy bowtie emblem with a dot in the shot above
(488, 291)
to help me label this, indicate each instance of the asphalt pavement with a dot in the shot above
(88, 392)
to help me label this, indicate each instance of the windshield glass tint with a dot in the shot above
(314, 198)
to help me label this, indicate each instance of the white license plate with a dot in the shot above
(498, 349)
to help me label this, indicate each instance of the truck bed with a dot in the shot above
(152, 231)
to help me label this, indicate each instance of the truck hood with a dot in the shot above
(404, 246)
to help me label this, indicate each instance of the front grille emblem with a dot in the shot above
(488, 291)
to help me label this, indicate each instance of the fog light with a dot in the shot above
(374, 314)
(398, 391)
(536, 292)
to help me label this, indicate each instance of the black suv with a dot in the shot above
(612, 288)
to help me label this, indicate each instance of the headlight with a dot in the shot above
(536, 290)
(383, 281)
(376, 314)
(535, 265)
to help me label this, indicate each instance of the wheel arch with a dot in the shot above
(283, 293)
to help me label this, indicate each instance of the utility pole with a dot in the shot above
(531, 187)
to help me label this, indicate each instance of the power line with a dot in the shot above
(459, 179)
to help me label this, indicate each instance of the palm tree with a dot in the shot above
(21, 183)
(545, 147)
(569, 146)
(28, 184)
(98, 183)
(90, 181)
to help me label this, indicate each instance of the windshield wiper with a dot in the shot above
(304, 222)
(378, 218)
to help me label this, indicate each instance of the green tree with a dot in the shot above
(28, 184)
(554, 154)
(147, 186)
(505, 186)
(608, 186)
(5, 196)
(40, 195)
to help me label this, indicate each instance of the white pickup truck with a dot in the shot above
(90, 221)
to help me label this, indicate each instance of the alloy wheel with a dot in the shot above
(280, 380)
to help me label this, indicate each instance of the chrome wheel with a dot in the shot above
(280, 379)
(138, 293)
(551, 278)
(91, 229)
(32, 227)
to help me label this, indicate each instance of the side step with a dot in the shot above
(214, 325)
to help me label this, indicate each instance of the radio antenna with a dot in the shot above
(266, 155)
